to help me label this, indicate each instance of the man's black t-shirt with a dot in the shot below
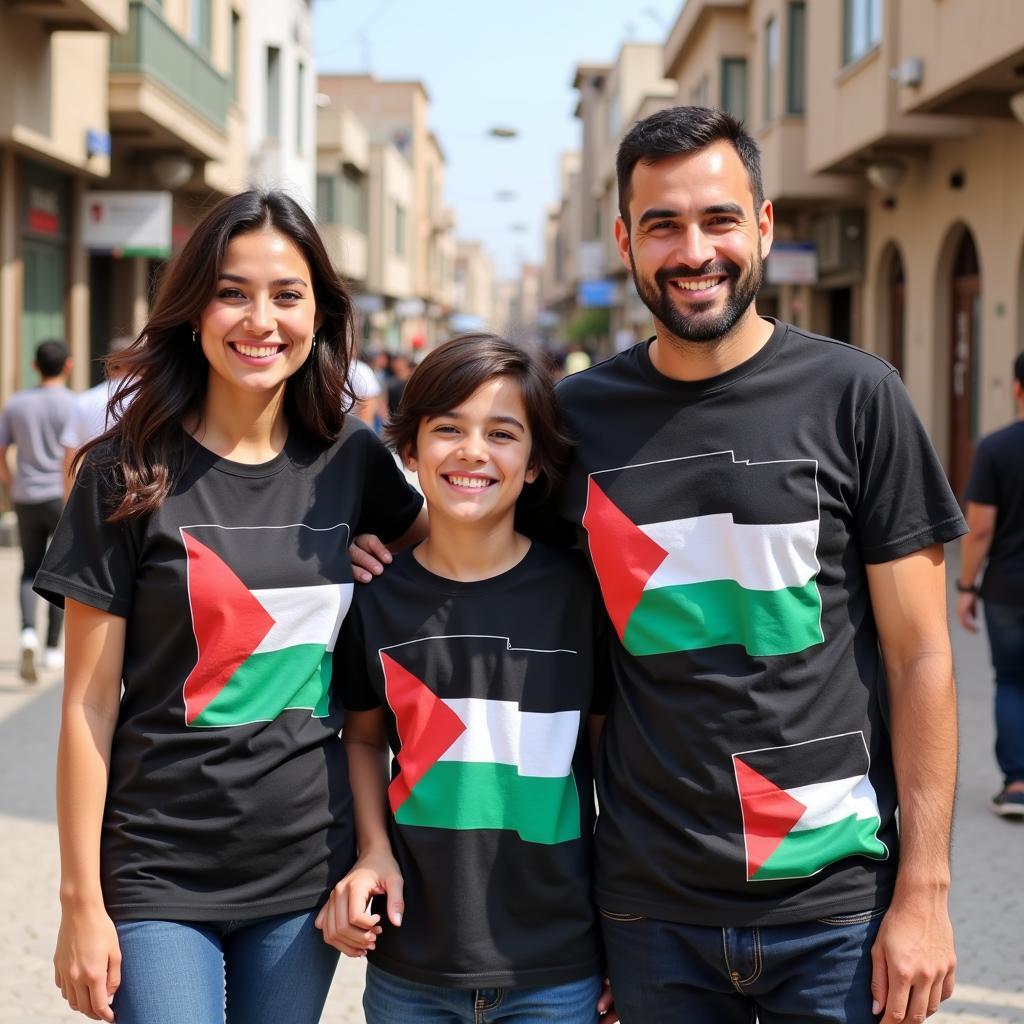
(997, 478)
(228, 795)
(747, 775)
(487, 687)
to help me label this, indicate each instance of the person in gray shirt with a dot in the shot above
(32, 421)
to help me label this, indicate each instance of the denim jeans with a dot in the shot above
(267, 971)
(818, 971)
(389, 999)
(1005, 625)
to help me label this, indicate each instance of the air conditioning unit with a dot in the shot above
(839, 239)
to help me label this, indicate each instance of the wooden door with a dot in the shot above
(963, 378)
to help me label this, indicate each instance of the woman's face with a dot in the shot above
(258, 328)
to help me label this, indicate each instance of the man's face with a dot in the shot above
(696, 245)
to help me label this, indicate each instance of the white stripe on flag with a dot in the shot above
(304, 615)
(758, 557)
(497, 732)
(829, 802)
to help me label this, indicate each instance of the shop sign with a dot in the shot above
(792, 263)
(596, 294)
(127, 223)
(43, 210)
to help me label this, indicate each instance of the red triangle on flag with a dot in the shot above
(427, 727)
(624, 556)
(228, 621)
(769, 813)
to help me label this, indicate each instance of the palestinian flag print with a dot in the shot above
(708, 550)
(807, 805)
(264, 640)
(474, 754)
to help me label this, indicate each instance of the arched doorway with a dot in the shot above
(963, 365)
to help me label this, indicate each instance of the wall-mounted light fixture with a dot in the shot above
(886, 174)
(1017, 105)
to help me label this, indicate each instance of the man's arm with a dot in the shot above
(5, 471)
(913, 958)
(974, 548)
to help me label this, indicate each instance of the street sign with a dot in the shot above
(127, 223)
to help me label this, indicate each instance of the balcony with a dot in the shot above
(75, 15)
(165, 93)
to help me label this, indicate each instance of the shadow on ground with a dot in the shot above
(28, 744)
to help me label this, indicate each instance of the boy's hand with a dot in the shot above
(368, 555)
(345, 918)
(606, 1004)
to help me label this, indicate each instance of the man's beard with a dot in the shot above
(701, 326)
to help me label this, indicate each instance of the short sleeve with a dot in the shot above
(389, 504)
(904, 502)
(5, 429)
(71, 435)
(89, 559)
(983, 486)
(350, 676)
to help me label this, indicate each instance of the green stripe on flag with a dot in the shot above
(806, 851)
(266, 684)
(475, 795)
(694, 616)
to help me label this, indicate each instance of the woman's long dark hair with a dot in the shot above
(166, 373)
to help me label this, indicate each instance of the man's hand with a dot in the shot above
(967, 612)
(606, 1004)
(913, 962)
(369, 554)
(345, 918)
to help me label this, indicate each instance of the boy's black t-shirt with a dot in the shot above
(228, 794)
(747, 775)
(486, 687)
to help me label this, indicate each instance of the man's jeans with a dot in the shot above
(389, 999)
(275, 970)
(1005, 624)
(36, 523)
(664, 973)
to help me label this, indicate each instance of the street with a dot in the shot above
(987, 896)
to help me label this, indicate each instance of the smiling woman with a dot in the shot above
(203, 800)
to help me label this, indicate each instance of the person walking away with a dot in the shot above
(32, 422)
(995, 515)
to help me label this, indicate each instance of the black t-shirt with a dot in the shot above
(487, 688)
(747, 776)
(997, 478)
(228, 795)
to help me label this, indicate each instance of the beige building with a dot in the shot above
(474, 288)
(395, 114)
(119, 115)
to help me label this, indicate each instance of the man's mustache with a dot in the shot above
(666, 274)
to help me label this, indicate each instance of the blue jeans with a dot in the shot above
(663, 972)
(243, 972)
(1005, 625)
(389, 999)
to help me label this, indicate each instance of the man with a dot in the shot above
(764, 515)
(32, 421)
(90, 415)
(401, 371)
(995, 514)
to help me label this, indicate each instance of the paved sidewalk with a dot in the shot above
(988, 898)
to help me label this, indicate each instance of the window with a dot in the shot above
(325, 212)
(353, 198)
(200, 26)
(300, 105)
(399, 239)
(862, 28)
(734, 87)
(236, 54)
(771, 66)
(796, 67)
(272, 128)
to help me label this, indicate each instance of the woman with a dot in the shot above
(205, 813)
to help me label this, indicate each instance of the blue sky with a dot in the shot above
(488, 63)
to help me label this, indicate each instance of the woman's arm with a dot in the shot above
(87, 962)
(345, 919)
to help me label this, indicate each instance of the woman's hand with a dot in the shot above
(345, 918)
(87, 961)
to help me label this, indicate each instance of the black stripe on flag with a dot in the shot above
(803, 764)
(755, 493)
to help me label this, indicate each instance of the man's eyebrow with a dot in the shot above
(279, 283)
(733, 208)
(657, 215)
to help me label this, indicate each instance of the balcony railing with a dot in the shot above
(151, 47)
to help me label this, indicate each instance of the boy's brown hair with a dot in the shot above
(450, 375)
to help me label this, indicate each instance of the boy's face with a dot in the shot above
(474, 460)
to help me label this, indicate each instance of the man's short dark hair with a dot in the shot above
(451, 374)
(1018, 369)
(51, 357)
(679, 130)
